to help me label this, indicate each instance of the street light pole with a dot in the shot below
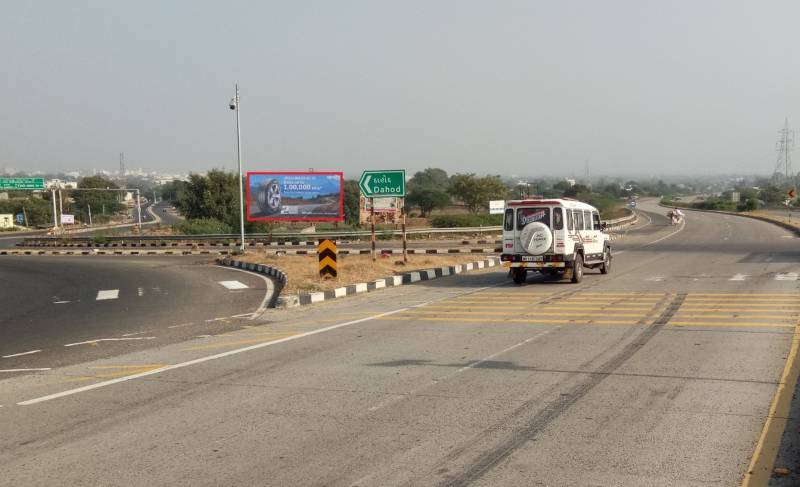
(234, 105)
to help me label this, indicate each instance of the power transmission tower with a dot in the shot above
(121, 163)
(784, 147)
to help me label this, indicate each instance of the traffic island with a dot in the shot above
(357, 274)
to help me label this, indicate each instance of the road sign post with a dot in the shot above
(380, 184)
(21, 183)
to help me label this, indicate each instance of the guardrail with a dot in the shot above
(294, 236)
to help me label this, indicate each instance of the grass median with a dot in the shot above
(303, 270)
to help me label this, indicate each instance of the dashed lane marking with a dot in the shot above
(787, 276)
(233, 285)
(88, 342)
(31, 352)
(107, 294)
(739, 277)
(43, 369)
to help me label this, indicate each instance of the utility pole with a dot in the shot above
(90, 214)
(121, 163)
(234, 105)
(25, 216)
(60, 204)
(139, 210)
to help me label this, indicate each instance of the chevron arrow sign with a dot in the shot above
(327, 259)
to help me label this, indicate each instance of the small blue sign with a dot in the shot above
(632, 204)
(20, 218)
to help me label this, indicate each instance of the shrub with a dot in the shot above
(99, 239)
(467, 220)
(202, 226)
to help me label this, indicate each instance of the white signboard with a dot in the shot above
(497, 207)
(384, 205)
(67, 219)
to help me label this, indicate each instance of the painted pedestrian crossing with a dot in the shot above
(514, 307)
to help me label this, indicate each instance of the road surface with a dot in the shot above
(61, 306)
(659, 374)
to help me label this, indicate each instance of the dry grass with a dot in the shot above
(303, 270)
(794, 221)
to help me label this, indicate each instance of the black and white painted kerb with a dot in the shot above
(292, 300)
(392, 281)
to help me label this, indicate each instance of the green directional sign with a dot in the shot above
(21, 183)
(379, 184)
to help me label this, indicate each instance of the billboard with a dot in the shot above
(295, 196)
(67, 219)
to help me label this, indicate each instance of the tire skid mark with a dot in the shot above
(494, 456)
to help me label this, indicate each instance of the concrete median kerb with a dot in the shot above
(302, 299)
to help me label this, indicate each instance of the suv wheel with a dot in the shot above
(519, 275)
(577, 269)
(605, 267)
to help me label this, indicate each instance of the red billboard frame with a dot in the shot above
(297, 173)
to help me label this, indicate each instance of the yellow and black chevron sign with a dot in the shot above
(327, 258)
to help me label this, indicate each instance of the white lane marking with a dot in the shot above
(471, 365)
(137, 333)
(181, 325)
(21, 354)
(617, 252)
(649, 220)
(140, 291)
(26, 370)
(655, 278)
(107, 294)
(61, 302)
(108, 340)
(787, 276)
(683, 225)
(267, 296)
(233, 285)
(237, 351)
(739, 277)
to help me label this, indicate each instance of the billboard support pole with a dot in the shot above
(405, 239)
(235, 106)
(372, 226)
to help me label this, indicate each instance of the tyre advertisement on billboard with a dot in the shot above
(295, 196)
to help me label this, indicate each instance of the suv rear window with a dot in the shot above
(508, 222)
(530, 215)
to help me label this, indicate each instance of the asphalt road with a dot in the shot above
(61, 306)
(660, 373)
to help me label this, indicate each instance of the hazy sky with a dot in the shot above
(507, 87)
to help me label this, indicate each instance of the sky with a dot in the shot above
(509, 87)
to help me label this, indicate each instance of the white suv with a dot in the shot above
(554, 236)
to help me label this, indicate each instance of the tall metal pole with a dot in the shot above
(55, 213)
(372, 226)
(139, 209)
(90, 214)
(60, 204)
(239, 158)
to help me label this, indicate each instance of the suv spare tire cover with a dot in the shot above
(536, 238)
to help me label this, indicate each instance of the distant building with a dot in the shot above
(570, 181)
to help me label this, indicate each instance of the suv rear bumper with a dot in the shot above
(548, 261)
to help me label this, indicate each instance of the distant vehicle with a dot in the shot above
(554, 236)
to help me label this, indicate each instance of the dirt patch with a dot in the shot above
(303, 270)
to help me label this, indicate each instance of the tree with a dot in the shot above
(427, 190)
(97, 200)
(215, 195)
(476, 192)
(352, 202)
(427, 199)
(432, 177)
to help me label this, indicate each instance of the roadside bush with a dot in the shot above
(202, 226)
(99, 239)
(466, 220)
